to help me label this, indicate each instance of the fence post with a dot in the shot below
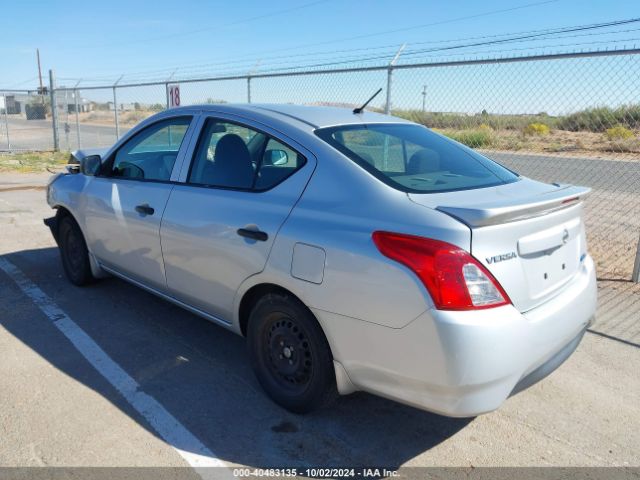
(635, 276)
(115, 112)
(75, 99)
(6, 120)
(115, 107)
(251, 72)
(387, 106)
(54, 110)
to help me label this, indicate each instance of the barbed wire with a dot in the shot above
(526, 36)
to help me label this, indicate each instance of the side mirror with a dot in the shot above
(90, 165)
(276, 157)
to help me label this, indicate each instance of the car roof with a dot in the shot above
(311, 115)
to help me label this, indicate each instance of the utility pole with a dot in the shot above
(424, 99)
(40, 76)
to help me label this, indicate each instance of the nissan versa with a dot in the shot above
(353, 250)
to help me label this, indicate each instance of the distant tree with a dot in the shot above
(137, 106)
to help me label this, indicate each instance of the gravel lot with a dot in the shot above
(58, 410)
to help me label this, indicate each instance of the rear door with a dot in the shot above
(124, 204)
(219, 226)
(528, 234)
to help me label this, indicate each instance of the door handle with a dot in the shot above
(145, 209)
(253, 234)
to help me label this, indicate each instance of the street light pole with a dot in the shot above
(424, 99)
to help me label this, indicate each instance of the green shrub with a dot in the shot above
(460, 121)
(618, 133)
(597, 119)
(536, 129)
(476, 138)
(600, 119)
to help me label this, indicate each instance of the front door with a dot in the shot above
(219, 226)
(125, 202)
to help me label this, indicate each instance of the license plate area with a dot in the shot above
(548, 271)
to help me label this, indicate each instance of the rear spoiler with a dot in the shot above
(494, 213)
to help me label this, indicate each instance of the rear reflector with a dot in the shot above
(454, 279)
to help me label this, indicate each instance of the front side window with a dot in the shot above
(151, 153)
(234, 156)
(412, 158)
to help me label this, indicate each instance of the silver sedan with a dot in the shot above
(353, 250)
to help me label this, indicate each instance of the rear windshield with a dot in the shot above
(414, 159)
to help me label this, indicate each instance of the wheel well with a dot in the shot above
(250, 298)
(61, 212)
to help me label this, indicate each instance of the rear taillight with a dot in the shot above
(455, 280)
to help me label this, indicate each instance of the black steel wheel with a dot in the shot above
(73, 251)
(290, 354)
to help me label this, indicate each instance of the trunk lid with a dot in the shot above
(528, 234)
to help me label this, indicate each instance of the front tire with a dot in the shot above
(290, 354)
(74, 252)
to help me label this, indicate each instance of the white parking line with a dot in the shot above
(192, 450)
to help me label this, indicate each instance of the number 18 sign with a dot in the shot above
(173, 95)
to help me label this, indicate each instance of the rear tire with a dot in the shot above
(74, 252)
(290, 354)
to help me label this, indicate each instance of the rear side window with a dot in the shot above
(278, 162)
(413, 159)
(238, 157)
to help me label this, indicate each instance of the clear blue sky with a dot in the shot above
(98, 41)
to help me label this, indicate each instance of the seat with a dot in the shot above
(232, 164)
(423, 161)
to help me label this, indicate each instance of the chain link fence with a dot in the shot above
(567, 118)
(25, 121)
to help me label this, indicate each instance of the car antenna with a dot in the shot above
(360, 109)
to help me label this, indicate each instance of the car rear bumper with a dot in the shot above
(464, 363)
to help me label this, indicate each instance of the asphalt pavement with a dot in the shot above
(58, 409)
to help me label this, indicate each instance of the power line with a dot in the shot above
(527, 37)
(441, 22)
(539, 35)
(513, 37)
(216, 27)
(23, 82)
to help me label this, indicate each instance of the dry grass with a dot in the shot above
(31, 162)
(127, 118)
(584, 144)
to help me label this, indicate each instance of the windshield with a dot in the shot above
(414, 159)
